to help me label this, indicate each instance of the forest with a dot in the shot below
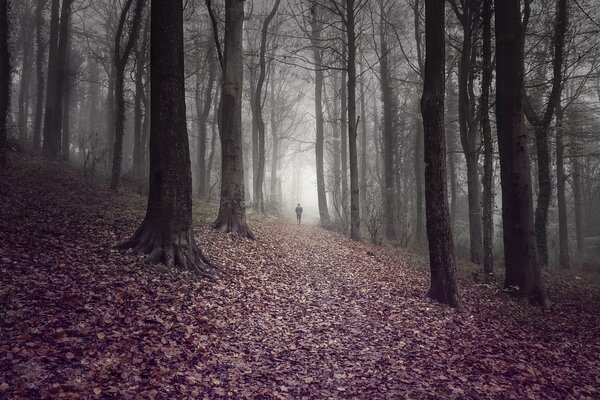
(300, 199)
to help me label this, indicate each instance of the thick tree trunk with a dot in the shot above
(203, 107)
(4, 78)
(488, 146)
(563, 227)
(352, 123)
(51, 131)
(388, 130)
(166, 233)
(232, 209)
(439, 234)
(121, 58)
(520, 253)
(320, 135)
(39, 70)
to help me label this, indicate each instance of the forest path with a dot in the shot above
(299, 313)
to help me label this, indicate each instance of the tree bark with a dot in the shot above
(344, 136)
(439, 234)
(352, 122)
(203, 107)
(122, 51)
(232, 209)
(39, 70)
(258, 101)
(166, 233)
(363, 153)
(51, 131)
(563, 227)
(275, 149)
(488, 146)
(520, 253)
(4, 78)
(317, 53)
(67, 92)
(578, 206)
(468, 125)
(27, 50)
(541, 124)
(388, 129)
(213, 142)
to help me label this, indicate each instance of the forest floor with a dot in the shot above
(301, 313)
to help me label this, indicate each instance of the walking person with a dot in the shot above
(299, 213)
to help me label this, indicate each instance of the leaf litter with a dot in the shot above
(301, 313)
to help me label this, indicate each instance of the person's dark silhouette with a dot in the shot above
(299, 213)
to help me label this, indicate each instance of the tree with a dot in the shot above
(122, 51)
(51, 133)
(203, 106)
(520, 253)
(488, 146)
(232, 208)
(4, 78)
(468, 122)
(39, 70)
(352, 120)
(257, 109)
(388, 100)
(166, 233)
(441, 251)
(541, 123)
(318, 62)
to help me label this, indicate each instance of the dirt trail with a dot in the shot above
(300, 313)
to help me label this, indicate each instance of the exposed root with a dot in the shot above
(179, 251)
(232, 224)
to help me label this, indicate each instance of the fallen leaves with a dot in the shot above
(303, 313)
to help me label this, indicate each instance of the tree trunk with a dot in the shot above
(419, 233)
(439, 234)
(275, 148)
(488, 146)
(520, 253)
(27, 50)
(352, 122)
(541, 126)
(468, 126)
(563, 228)
(232, 209)
(452, 147)
(344, 137)
(51, 131)
(67, 89)
(258, 101)
(39, 70)
(203, 107)
(578, 206)
(121, 58)
(388, 130)
(317, 53)
(4, 78)
(166, 233)
(137, 111)
(213, 142)
(363, 153)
